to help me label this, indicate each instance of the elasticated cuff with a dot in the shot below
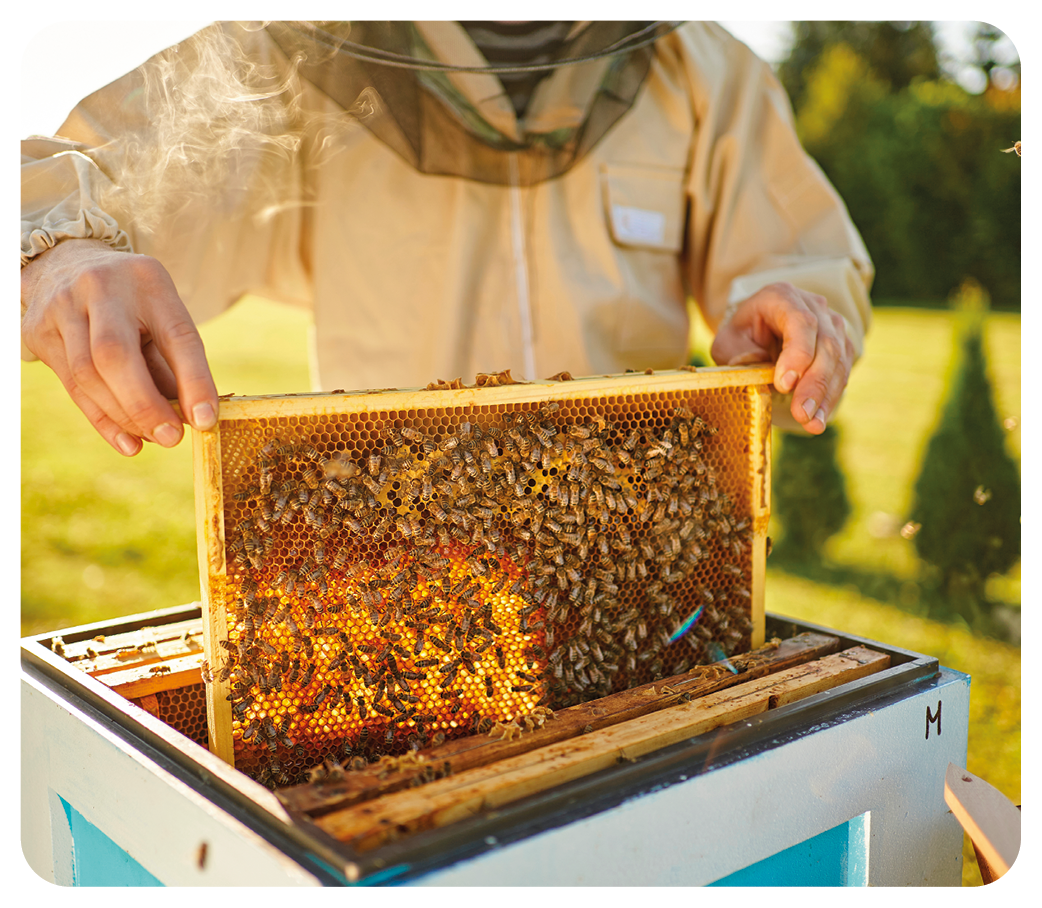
(90, 225)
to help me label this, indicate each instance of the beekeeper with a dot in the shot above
(446, 199)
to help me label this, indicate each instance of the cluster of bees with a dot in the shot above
(448, 581)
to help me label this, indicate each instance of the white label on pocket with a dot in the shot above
(638, 225)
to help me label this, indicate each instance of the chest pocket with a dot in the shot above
(645, 210)
(644, 206)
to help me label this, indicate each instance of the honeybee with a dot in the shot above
(322, 694)
(250, 732)
(426, 488)
(545, 433)
(404, 526)
(284, 449)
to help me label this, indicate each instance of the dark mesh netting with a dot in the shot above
(403, 93)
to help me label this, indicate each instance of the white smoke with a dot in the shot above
(216, 116)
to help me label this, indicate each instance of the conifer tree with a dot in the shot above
(808, 494)
(966, 500)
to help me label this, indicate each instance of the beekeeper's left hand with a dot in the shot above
(806, 341)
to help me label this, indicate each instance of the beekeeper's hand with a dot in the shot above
(805, 340)
(112, 327)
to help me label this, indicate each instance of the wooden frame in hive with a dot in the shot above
(383, 569)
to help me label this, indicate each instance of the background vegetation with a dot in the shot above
(919, 162)
(916, 157)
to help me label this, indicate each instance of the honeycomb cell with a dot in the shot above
(394, 573)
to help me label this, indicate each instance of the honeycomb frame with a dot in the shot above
(531, 649)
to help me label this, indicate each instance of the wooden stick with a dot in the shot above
(105, 654)
(371, 824)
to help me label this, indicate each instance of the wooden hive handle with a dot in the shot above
(990, 819)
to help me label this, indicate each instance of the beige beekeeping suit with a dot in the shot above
(701, 189)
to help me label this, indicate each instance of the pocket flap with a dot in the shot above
(644, 206)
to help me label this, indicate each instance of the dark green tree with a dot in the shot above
(808, 494)
(897, 52)
(966, 499)
(923, 175)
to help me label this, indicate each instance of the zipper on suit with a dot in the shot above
(520, 253)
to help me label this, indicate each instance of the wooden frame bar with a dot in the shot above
(209, 518)
(753, 381)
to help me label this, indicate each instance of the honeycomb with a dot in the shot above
(395, 577)
(184, 710)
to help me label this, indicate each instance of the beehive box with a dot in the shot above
(384, 570)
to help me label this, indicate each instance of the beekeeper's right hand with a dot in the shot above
(112, 327)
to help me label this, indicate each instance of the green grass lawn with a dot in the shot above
(104, 536)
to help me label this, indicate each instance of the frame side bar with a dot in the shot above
(209, 518)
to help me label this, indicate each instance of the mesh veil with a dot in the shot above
(408, 100)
